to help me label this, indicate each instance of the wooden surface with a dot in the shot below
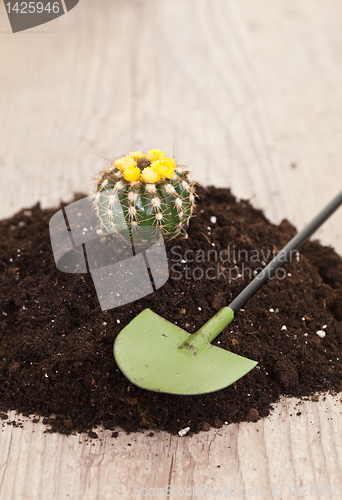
(249, 95)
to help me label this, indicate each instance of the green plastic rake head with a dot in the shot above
(157, 355)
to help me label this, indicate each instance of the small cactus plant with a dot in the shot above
(152, 190)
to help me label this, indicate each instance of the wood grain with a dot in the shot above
(246, 93)
(299, 444)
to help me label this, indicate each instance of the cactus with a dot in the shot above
(152, 190)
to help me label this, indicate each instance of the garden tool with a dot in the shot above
(159, 356)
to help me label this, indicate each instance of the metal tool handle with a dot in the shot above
(294, 244)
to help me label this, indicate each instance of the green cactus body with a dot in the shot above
(167, 204)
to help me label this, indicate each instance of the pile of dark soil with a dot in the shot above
(56, 343)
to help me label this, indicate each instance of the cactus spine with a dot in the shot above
(152, 190)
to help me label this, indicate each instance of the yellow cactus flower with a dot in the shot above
(150, 175)
(125, 162)
(155, 154)
(164, 167)
(136, 155)
(131, 174)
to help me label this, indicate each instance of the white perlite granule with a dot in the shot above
(184, 431)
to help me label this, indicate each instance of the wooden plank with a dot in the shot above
(238, 91)
(102, 97)
(285, 449)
